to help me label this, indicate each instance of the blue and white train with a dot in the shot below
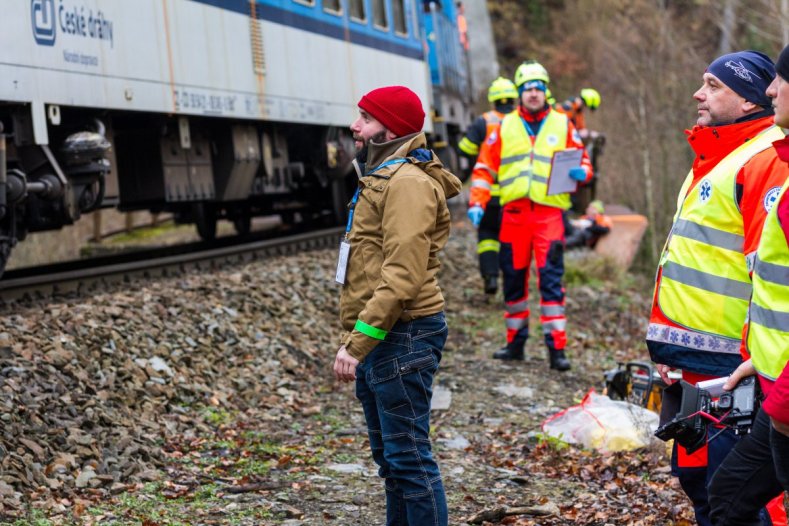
(206, 109)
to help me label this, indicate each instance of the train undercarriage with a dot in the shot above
(199, 169)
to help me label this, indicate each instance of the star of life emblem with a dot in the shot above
(705, 191)
(770, 198)
(553, 140)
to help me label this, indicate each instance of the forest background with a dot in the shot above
(646, 58)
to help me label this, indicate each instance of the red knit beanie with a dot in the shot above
(396, 107)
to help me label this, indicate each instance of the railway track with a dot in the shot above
(82, 277)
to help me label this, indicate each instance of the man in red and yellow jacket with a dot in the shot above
(703, 282)
(517, 154)
(758, 468)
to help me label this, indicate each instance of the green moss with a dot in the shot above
(147, 233)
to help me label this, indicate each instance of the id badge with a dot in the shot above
(342, 262)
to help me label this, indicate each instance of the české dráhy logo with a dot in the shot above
(42, 13)
(74, 20)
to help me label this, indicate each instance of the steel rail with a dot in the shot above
(91, 278)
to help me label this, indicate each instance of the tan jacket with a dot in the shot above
(400, 223)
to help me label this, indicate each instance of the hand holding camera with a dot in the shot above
(688, 410)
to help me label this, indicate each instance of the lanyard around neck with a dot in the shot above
(355, 198)
(529, 128)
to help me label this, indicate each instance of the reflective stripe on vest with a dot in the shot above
(524, 169)
(704, 286)
(768, 324)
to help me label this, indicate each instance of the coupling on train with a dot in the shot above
(207, 109)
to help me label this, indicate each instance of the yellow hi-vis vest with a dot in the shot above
(704, 286)
(524, 169)
(768, 325)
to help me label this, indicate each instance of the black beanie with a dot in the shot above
(782, 66)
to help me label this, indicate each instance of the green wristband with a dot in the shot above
(369, 330)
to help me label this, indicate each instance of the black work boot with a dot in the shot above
(510, 352)
(491, 284)
(558, 360)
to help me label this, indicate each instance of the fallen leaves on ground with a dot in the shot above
(208, 399)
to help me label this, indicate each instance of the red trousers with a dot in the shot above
(530, 229)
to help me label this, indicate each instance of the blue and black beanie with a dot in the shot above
(747, 73)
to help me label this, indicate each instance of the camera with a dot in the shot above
(688, 409)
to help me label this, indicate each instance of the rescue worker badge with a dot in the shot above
(576, 136)
(770, 198)
(553, 140)
(492, 137)
(705, 191)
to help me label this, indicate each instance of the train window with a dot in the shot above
(356, 7)
(379, 14)
(305, 2)
(398, 17)
(332, 6)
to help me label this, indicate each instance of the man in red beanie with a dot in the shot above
(391, 306)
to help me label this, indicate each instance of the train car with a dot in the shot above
(206, 109)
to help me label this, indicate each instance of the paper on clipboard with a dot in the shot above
(559, 181)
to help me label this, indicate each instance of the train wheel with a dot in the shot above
(205, 220)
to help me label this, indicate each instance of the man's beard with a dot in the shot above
(361, 155)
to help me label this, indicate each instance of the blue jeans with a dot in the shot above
(395, 385)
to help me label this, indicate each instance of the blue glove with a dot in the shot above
(475, 214)
(577, 174)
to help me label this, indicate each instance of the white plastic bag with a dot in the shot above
(603, 424)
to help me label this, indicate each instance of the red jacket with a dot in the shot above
(489, 158)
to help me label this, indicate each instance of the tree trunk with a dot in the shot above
(727, 27)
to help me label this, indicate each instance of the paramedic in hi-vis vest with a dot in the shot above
(703, 282)
(757, 469)
(517, 154)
